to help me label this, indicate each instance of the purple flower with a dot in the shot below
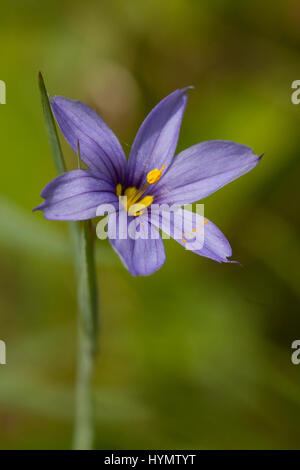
(151, 176)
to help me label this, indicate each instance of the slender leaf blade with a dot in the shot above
(51, 128)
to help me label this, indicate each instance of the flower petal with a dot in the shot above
(99, 147)
(142, 256)
(75, 196)
(202, 169)
(194, 233)
(156, 140)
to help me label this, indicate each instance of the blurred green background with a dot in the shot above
(197, 355)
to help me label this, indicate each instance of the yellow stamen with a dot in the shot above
(119, 189)
(154, 175)
(146, 201)
(132, 198)
(130, 193)
(137, 208)
(133, 205)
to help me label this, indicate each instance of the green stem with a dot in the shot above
(87, 337)
(82, 239)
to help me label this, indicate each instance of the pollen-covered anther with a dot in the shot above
(119, 189)
(154, 175)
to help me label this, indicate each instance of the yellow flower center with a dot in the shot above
(132, 198)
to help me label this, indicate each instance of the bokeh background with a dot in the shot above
(197, 356)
